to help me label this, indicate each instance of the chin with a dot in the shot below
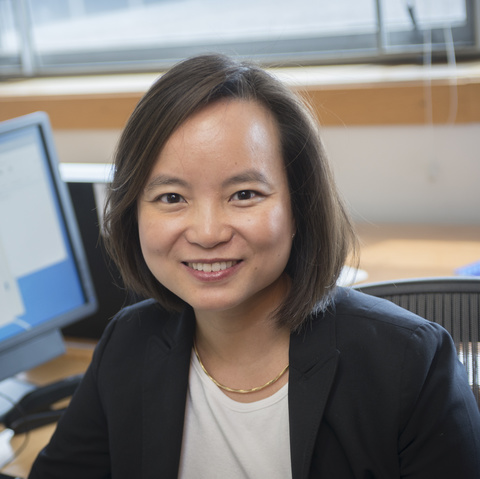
(211, 306)
(214, 305)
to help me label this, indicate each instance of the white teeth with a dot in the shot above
(209, 267)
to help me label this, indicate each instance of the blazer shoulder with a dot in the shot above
(136, 326)
(362, 319)
(147, 314)
(349, 303)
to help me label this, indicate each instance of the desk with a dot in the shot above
(413, 251)
(75, 361)
(386, 252)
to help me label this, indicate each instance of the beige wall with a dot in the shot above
(404, 142)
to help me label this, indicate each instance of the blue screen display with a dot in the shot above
(39, 280)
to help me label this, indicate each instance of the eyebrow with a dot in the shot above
(245, 177)
(164, 180)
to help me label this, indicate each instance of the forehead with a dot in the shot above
(226, 135)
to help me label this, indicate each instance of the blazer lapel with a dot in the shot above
(165, 384)
(313, 363)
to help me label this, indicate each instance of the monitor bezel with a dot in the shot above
(49, 332)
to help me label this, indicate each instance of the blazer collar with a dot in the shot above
(313, 363)
(167, 363)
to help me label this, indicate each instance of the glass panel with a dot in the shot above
(99, 25)
(9, 39)
(423, 13)
(419, 22)
(70, 36)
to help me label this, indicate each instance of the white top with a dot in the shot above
(224, 438)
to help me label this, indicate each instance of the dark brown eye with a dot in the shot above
(171, 198)
(244, 195)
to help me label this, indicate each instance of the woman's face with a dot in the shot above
(214, 217)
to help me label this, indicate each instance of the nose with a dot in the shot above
(208, 226)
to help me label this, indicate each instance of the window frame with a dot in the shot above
(318, 50)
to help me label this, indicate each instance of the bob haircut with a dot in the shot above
(324, 233)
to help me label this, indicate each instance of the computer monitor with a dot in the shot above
(44, 279)
(87, 185)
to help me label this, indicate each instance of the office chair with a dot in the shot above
(453, 302)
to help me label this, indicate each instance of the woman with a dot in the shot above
(248, 361)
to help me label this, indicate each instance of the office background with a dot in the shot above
(395, 83)
(404, 140)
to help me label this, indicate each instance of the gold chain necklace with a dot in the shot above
(240, 391)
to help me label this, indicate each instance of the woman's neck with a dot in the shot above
(231, 339)
(250, 329)
(243, 349)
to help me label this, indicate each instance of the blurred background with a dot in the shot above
(39, 37)
(395, 86)
(395, 83)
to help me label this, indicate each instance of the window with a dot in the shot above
(72, 36)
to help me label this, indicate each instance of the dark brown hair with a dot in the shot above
(324, 234)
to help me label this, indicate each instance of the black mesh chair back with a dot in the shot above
(453, 302)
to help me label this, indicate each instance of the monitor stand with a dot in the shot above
(31, 353)
(22, 357)
(12, 390)
(23, 405)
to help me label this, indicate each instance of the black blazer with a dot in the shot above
(374, 392)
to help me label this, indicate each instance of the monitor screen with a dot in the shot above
(44, 278)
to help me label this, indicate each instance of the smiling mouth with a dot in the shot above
(212, 267)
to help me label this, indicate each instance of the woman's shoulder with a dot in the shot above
(144, 315)
(363, 318)
(350, 304)
(147, 308)
(142, 322)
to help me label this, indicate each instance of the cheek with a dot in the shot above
(159, 237)
(150, 235)
(145, 241)
(282, 219)
(274, 228)
(144, 229)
